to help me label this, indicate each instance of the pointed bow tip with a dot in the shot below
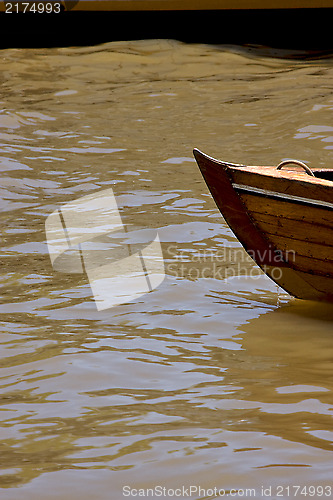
(198, 154)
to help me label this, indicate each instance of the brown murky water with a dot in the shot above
(215, 380)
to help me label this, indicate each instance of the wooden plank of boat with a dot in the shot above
(283, 217)
(161, 5)
(199, 4)
(154, 5)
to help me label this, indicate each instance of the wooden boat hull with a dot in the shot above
(283, 218)
(172, 5)
(153, 5)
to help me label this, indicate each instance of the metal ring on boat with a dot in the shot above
(296, 162)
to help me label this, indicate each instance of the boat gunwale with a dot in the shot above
(276, 195)
(271, 171)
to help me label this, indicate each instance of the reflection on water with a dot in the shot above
(216, 377)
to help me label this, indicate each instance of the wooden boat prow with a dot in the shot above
(282, 216)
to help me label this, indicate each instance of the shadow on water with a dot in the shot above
(284, 370)
(304, 32)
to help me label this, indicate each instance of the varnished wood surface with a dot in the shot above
(133, 5)
(298, 225)
(182, 5)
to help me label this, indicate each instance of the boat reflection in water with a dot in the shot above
(282, 374)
